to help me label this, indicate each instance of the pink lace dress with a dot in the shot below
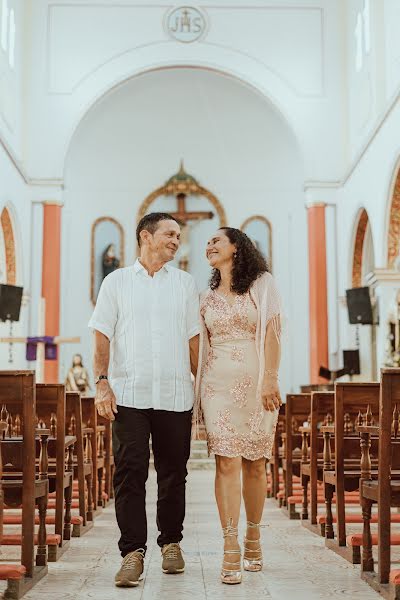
(235, 419)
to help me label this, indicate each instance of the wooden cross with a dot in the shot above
(184, 216)
(40, 356)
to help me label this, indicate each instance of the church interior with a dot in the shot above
(276, 117)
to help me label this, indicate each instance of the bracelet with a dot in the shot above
(100, 377)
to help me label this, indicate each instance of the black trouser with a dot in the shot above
(170, 434)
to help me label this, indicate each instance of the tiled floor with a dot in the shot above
(296, 563)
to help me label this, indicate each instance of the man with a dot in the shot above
(150, 314)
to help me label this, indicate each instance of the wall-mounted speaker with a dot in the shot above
(10, 302)
(359, 306)
(351, 362)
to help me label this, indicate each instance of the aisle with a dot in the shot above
(297, 564)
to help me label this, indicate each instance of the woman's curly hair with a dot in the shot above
(248, 264)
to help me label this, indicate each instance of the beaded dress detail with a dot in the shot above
(235, 421)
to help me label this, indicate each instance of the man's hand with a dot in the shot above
(105, 400)
(270, 395)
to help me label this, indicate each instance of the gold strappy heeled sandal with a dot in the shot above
(233, 574)
(252, 558)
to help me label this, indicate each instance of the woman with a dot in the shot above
(238, 389)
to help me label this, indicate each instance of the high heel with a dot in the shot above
(231, 575)
(252, 558)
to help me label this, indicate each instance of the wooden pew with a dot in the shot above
(90, 420)
(50, 410)
(342, 474)
(11, 573)
(109, 466)
(82, 463)
(23, 483)
(322, 410)
(382, 488)
(298, 408)
(275, 463)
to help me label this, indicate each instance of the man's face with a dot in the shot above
(165, 241)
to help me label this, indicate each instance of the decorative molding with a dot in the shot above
(311, 204)
(383, 276)
(268, 224)
(92, 256)
(9, 243)
(193, 24)
(359, 248)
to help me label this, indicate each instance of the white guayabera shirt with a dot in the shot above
(149, 321)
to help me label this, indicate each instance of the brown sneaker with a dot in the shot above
(131, 569)
(172, 559)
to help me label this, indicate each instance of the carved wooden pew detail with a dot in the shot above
(82, 463)
(322, 408)
(275, 463)
(381, 487)
(298, 408)
(50, 409)
(97, 449)
(342, 460)
(25, 484)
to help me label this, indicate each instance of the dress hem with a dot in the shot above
(240, 446)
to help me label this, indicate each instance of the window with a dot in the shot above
(4, 25)
(7, 32)
(362, 34)
(11, 46)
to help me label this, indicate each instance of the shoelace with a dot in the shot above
(131, 560)
(171, 552)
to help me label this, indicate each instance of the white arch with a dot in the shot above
(225, 62)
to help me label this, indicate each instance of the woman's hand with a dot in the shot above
(270, 395)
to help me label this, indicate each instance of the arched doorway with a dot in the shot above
(8, 248)
(363, 264)
(363, 251)
(393, 238)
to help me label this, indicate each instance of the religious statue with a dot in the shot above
(109, 261)
(77, 378)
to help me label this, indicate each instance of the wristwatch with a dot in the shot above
(100, 377)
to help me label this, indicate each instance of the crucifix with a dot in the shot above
(40, 343)
(184, 217)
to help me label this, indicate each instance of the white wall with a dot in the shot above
(232, 141)
(290, 50)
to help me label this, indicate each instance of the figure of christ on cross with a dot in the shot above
(184, 217)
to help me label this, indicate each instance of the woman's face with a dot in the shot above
(220, 250)
(77, 360)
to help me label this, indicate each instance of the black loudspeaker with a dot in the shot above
(351, 362)
(359, 306)
(10, 302)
